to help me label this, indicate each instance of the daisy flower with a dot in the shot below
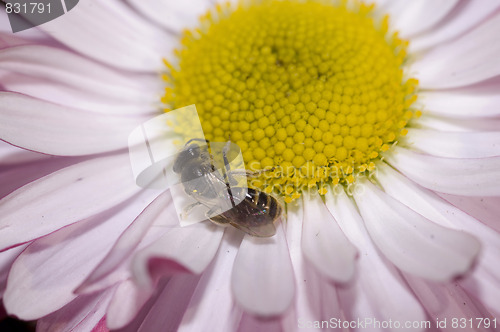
(377, 125)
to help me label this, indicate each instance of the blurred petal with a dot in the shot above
(82, 314)
(130, 239)
(174, 15)
(446, 302)
(484, 281)
(468, 177)
(182, 249)
(109, 32)
(464, 17)
(43, 277)
(324, 244)
(6, 259)
(412, 242)
(378, 290)
(468, 60)
(213, 287)
(464, 103)
(67, 68)
(175, 296)
(57, 130)
(419, 16)
(316, 297)
(453, 144)
(63, 198)
(270, 290)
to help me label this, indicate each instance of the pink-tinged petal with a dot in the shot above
(167, 311)
(484, 209)
(44, 276)
(316, 297)
(250, 323)
(110, 32)
(7, 258)
(12, 155)
(464, 17)
(262, 280)
(182, 249)
(324, 244)
(412, 242)
(67, 69)
(128, 242)
(445, 123)
(176, 15)
(446, 302)
(472, 58)
(127, 300)
(16, 176)
(106, 275)
(467, 177)
(52, 129)
(214, 287)
(453, 144)
(378, 290)
(81, 315)
(64, 197)
(419, 16)
(465, 103)
(101, 326)
(484, 281)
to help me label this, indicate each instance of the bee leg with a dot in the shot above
(250, 173)
(187, 209)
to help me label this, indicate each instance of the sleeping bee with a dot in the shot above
(256, 211)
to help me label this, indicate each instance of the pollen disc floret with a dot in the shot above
(313, 91)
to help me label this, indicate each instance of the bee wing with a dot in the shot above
(265, 230)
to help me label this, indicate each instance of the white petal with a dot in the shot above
(485, 279)
(451, 123)
(128, 242)
(413, 243)
(324, 244)
(419, 16)
(214, 287)
(467, 15)
(453, 144)
(189, 248)
(378, 290)
(468, 60)
(173, 15)
(11, 155)
(127, 300)
(71, 69)
(18, 175)
(109, 32)
(81, 315)
(6, 259)
(464, 103)
(48, 271)
(467, 177)
(262, 280)
(316, 297)
(64, 197)
(52, 129)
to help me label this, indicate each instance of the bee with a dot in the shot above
(256, 211)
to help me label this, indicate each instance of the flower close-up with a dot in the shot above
(369, 140)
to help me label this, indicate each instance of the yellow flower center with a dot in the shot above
(314, 92)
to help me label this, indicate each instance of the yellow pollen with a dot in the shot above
(313, 92)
